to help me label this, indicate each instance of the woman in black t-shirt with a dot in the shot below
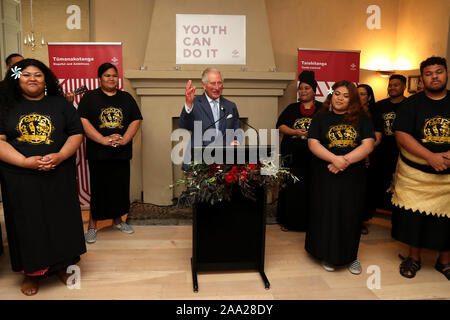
(293, 123)
(340, 136)
(110, 119)
(367, 98)
(39, 135)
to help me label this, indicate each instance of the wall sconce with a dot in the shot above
(385, 73)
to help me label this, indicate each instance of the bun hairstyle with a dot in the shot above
(308, 77)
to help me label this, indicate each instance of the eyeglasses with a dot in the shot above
(218, 83)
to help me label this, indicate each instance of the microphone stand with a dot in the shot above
(257, 133)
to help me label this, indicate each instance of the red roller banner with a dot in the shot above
(329, 67)
(75, 65)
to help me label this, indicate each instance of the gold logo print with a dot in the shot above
(302, 123)
(111, 118)
(437, 130)
(35, 129)
(389, 119)
(342, 136)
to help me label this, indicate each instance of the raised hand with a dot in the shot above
(190, 94)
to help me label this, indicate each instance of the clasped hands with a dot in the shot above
(439, 161)
(114, 140)
(43, 163)
(340, 163)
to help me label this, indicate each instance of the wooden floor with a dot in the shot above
(154, 263)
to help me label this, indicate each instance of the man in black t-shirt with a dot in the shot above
(386, 154)
(421, 216)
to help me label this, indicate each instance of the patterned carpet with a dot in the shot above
(150, 214)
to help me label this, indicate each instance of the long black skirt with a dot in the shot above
(337, 203)
(421, 230)
(370, 201)
(43, 217)
(110, 188)
(294, 201)
(383, 165)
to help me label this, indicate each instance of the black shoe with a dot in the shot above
(443, 268)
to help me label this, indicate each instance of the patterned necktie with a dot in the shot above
(216, 114)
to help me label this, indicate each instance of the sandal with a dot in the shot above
(64, 276)
(443, 268)
(30, 286)
(409, 267)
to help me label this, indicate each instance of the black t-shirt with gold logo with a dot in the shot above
(427, 120)
(108, 115)
(386, 153)
(337, 136)
(37, 128)
(386, 112)
(293, 117)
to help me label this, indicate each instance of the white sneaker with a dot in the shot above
(355, 267)
(91, 235)
(124, 227)
(327, 266)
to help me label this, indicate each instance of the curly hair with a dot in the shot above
(354, 110)
(11, 92)
(432, 61)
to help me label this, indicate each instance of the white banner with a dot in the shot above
(210, 39)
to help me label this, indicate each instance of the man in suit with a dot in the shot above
(214, 113)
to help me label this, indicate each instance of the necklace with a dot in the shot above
(307, 112)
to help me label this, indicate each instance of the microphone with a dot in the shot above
(226, 115)
(257, 133)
